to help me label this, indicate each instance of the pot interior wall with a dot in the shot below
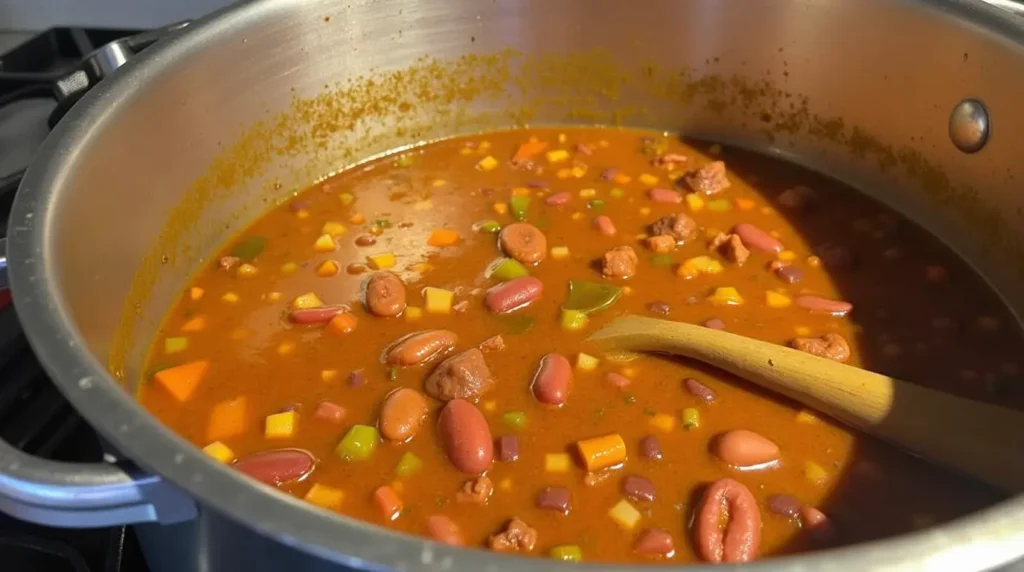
(215, 132)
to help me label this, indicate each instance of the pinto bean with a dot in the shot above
(699, 390)
(817, 525)
(831, 346)
(552, 379)
(739, 540)
(665, 196)
(513, 295)
(319, 315)
(444, 530)
(784, 505)
(524, 242)
(605, 226)
(655, 542)
(558, 199)
(278, 466)
(402, 414)
(462, 376)
(638, 489)
(757, 239)
(744, 449)
(465, 436)
(420, 347)
(824, 305)
(385, 294)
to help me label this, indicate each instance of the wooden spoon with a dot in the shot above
(981, 440)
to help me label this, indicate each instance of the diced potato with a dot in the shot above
(559, 252)
(786, 256)
(625, 515)
(488, 163)
(327, 269)
(281, 425)
(776, 299)
(382, 261)
(815, 473)
(325, 243)
(726, 296)
(195, 293)
(557, 462)
(289, 268)
(663, 422)
(328, 375)
(693, 267)
(557, 155)
(648, 179)
(333, 229)
(413, 313)
(587, 193)
(175, 345)
(230, 298)
(438, 300)
(219, 451)
(325, 496)
(307, 300)
(586, 362)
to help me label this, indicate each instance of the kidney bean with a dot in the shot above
(537, 184)
(558, 199)
(825, 305)
(555, 498)
(784, 505)
(402, 414)
(356, 379)
(757, 239)
(698, 389)
(508, 448)
(466, 437)
(552, 379)
(659, 308)
(739, 540)
(617, 380)
(744, 449)
(665, 196)
(278, 466)
(329, 411)
(638, 488)
(655, 542)
(420, 347)
(650, 448)
(444, 530)
(817, 525)
(513, 295)
(604, 225)
(320, 315)
(385, 294)
(790, 274)
(608, 174)
(366, 240)
(715, 324)
(524, 242)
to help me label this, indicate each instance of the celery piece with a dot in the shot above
(175, 345)
(691, 418)
(488, 226)
(719, 206)
(589, 297)
(518, 206)
(616, 193)
(661, 260)
(358, 444)
(249, 248)
(567, 553)
(596, 205)
(408, 464)
(505, 269)
(515, 419)
(574, 320)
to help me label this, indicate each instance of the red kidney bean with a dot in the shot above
(355, 268)
(552, 380)
(558, 199)
(698, 389)
(650, 448)
(444, 530)
(385, 294)
(320, 315)
(329, 411)
(817, 525)
(466, 437)
(744, 449)
(555, 498)
(402, 414)
(366, 240)
(513, 295)
(714, 324)
(278, 466)
(523, 242)
(655, 542)
(783, 505)
(825, 305)
(659, 308)
(356, 379)
(790, 274)
(638, 489)
(508, 448)
(537, 184)
(665, 196)
(421, 347)
(617, 380)
(757, 239)
(604, 225)
(739, 540)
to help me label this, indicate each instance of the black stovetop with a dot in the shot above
(33, 414)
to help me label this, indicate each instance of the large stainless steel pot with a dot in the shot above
(192, 139)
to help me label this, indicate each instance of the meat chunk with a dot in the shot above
(462, 376)
(517, 537)
(619, 262)
(476, 491)
(831, 346)
(709, 179)
(493, 344)
(229, 262)
(731, 247)
(678, 226)
(661, 243)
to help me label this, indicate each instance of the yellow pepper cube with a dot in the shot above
(325, 496)
(307, 300)
(625, 515)
(325, 243)
(333, 229)
(586, 362)
(559, 252)
(230, 298)
(663, 422)
(382, 261)
(413, 313)
(648, 179)
(563, 173)
(327, 375)
(587, 193)
(289, 268)
(281, 425)
(346, 198)
(693, 267)
(695, 202)
(777, 300)
(500, 208)
(557, 462)
(815, 473)
(488, 163)
(195, 293)
(438, 300)
(219, 451)
(557, 155)
(578, 171)
(327, 269)
(786, 256)
(726, 296)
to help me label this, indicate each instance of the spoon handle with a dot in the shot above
(981, 440)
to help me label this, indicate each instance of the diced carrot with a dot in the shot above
(745, 204)
(388, 501)
(443, 237)
(195, 324)
(181, 380)
(227, 419)
(621, 178)
(528, 150)
(343, 323)
(602, 452)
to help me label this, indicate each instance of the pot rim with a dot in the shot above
(981, 540)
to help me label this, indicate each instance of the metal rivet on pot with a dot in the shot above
(969, 125)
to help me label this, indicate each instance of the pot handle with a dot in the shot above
(83, 495)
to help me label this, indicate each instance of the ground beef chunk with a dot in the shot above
(517, 537)
(619, 262)
(476, 491)
(492, 344)
(462, 376)
(229, 262)
(661, 243)
(678, 226)
(831, 346)
(731, 247)
(709, 179)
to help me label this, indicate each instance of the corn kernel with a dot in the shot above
(324, 244)
(557, 462)
(325, 496)
(786, 256)
(219, 451)
(815, 473)
(381, 261)
(576, 216)
(439, 183)
(281, 425)
(230, 298)
(695, 202)
(726, 296)
(777, 300)
(413, 313)
(586, 362)
(483, 146)
(693, 267)
(466, 151)
(559, 252)
(500, 208)
(195, 293)
(557, 155)
(327, 375)
(438, 300)
(285, 348)
(587, 193)
(561, 138)
(307, 300)
(327, 269)
(488, 163)
(663, 422)
(505, 484)
(333, 229)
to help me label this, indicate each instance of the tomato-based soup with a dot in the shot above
(404, 343)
